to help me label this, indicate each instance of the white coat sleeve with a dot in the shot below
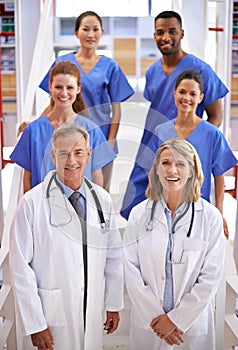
(146, 305)
(27, 301)
(208, 279)
(114, 280)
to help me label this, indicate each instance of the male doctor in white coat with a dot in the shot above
(46, 258)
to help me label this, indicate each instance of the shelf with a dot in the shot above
(7, 33)
(8, 57)
(234, 88)
(125, 55)
(6, 46)
(9, 106)
(124, 26)
(8, 84)
(146, 62)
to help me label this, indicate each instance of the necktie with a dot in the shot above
(168, 304)
(75, 201)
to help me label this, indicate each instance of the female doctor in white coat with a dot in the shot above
(173, 256)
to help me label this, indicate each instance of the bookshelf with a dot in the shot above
(7, 50)
(234, 80)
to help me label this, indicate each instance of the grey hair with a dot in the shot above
(70, 129)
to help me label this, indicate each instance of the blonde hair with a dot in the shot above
(194, 183)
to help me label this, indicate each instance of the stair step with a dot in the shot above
(117, 342)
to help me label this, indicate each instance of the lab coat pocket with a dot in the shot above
(193, 244)
(194, 251)
(53, 306)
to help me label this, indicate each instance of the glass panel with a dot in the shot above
(67, 26)
(148, 48)
(159, 6)
(125, 26)
(103, 7)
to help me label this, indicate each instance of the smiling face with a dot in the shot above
(70, 155)
(173, 171)
(64, 89)
(187, 96)
(89, 32)
(168, 34)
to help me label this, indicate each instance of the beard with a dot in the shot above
(171, 51)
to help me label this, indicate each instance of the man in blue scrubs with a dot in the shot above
(160, 84)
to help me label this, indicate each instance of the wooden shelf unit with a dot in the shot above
(234, 78)
(7, 51)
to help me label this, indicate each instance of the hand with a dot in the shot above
(175, 338)
(225, 227)
(22, 127)
(112, 321)
(163, 326)
(112, 143)
(43, 340)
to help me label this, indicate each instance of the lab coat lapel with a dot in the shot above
(159, 216)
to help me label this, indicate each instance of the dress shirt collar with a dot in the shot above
(168, 211)
(68, 191)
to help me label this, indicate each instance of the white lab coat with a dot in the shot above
(196, 274)
(47, 268)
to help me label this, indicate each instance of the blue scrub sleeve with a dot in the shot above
(223, 159)
(102, 153)
(21, 154)
(119, 89)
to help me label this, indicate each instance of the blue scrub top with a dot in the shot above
(159, 87)
(159, 91)
(104, 85)
(213, 150)
(32, 151)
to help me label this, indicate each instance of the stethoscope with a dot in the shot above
(150, 223)
(95, 197)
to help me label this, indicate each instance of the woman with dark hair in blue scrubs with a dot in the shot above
(104, 85)
(213, 149)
